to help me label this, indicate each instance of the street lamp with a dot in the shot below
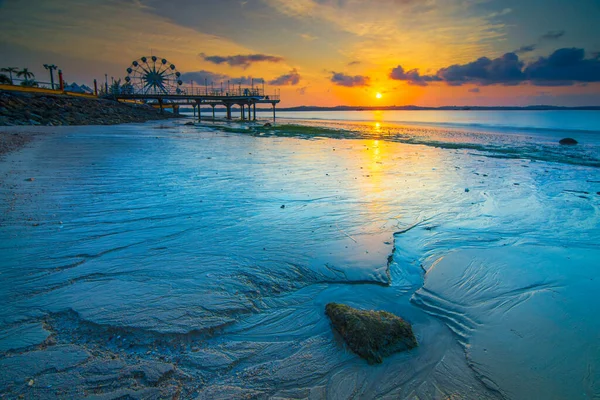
(51, 68)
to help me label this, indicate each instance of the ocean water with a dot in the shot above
(160, 259)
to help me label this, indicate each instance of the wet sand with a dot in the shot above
(148, 261)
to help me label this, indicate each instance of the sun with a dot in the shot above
(379, 95)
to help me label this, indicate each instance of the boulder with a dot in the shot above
(567, 141)
(371, 334)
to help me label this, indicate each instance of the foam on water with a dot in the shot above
(205, 255)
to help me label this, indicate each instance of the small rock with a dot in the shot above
(189, 123)
(30, 179)
(30, 383)
(267, 125)
(467, 190)
(568, 141)
(282, 206)
(371, 334)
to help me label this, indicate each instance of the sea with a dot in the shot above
(204, 255)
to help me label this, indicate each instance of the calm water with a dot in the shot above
(164, 248)
(532, 120)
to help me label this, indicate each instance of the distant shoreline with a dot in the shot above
(418, 108)
(443, 108)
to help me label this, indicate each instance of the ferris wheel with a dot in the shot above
(153, 75)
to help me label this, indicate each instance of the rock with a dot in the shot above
(467, 190)
(267, 125)
(30, 179)
(282, 206)
(189, 123)
(371, 334)
(569, 141)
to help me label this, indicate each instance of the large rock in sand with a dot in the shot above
(371, 334)
(567, 141)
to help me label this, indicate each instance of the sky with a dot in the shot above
(326, 52)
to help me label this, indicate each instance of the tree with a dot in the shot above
(26, 74)
(115, 87)
(10, 71)
(5, 80)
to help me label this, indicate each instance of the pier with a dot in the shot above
(245, 98)
(153, 80)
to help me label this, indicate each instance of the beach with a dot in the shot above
(161, 259)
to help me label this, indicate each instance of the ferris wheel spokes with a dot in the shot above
(151, 75)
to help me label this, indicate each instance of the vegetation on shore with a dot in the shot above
(18, 108)
(371, 334)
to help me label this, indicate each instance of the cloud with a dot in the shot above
(552, 35)
(450, 29)
(302, 90)
(200, 77)
(203, 76)
(474, 90)
(341, 79)
(413, 76)
(240, 60)
(500, 13)
(288, 79)
(504, 70)
(246, 80)
(525, 49)
(565, 66)
(307, 37)
(352, 63)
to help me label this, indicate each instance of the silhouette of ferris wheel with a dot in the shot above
(153, 75)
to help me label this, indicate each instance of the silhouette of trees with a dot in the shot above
(10, 71)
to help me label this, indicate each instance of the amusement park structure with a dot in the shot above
(156, 81)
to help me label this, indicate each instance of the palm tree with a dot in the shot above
(25, 73)
(28, 77)
(10, 71)
(4, 80)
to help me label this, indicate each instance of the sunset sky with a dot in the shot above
(327, 52)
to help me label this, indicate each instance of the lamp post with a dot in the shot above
(51, 68)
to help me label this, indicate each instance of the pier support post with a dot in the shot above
(194, 107)
(242, 115)
(199, 112)
(273, 112)
(254, 109)
(160, 103)
(213, 106)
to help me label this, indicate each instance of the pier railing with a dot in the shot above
(193, 91)
(227, 92)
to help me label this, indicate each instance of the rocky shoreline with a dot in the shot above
(17, 108)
